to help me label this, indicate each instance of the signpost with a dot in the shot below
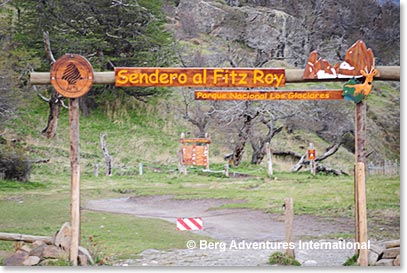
(311, 157)
(194, 152)
(72, 77)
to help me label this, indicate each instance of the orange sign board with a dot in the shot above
(195, 155)
(312, 155)
(205, 77)
(72, 76)
(270, 95)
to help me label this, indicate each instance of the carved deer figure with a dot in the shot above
(366, 86)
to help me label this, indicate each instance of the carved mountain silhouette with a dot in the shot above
(358, 57)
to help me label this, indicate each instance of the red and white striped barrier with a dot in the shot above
(190, 223)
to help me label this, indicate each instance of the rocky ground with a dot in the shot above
(230, 226)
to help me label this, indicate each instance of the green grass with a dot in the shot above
(278, 258)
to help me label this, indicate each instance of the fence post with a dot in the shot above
(181, 167)
(140, 168)
(312, 160)
(288, 221)
(269, 160)
(226, 170)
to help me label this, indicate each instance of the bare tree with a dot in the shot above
(56, 101)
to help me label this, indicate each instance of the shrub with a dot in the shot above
(279, 258)
(14, 165)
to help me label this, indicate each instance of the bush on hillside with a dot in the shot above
(14, 165)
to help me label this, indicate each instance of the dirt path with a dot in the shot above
(228, 226)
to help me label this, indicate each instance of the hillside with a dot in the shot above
(212, 33)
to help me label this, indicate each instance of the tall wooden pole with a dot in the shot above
(360, 180)
(75, 179)
(289, 222)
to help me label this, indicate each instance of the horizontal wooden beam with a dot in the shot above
(24, 238)
(387, 73)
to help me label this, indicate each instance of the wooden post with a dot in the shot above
(362, 213)
(207, 151)
(269, 160)
(227, 170)
(312, 161)
(181, 166)
(356, 195)
(140, 168)
(96, 170)
(289, 220)
(75, 179)
(360, 180)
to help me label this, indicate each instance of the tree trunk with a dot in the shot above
(258, 154)
(84, 106)
(259, 150)
(55, 104)
(108, 158)
(242, 139)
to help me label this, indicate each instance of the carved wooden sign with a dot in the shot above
(359, 62)
(191, 77)
(358, 57)
(195, 151)
(72, 76)
(270, 95)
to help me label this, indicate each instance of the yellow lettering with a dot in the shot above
(258, 76)
(122, 77)
(153, 78)
(269, 78)
(279, 79)
(173, 76)
(182, 78)
(197, 79)
(217, 73)
(143, 78)
(133, 79)
(243, 78)
(164, 78)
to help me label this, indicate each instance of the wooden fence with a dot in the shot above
(384, 167)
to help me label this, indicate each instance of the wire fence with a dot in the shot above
(384, 167)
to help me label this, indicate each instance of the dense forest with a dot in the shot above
(161, 33)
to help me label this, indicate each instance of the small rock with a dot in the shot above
(31, 260)
(4, 254)
(38, 243)
(16, 259)
(47, 262)
(38, 251)
(26, 248)
(310, 263)
(372, 257)
(63, 237)
(86, 253)
(53, 252)
(396, 261)
(385, 262)
(83, 260)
